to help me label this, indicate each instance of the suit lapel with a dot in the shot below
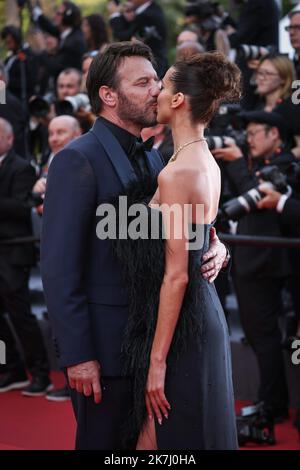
(114, 152)
(154, 161)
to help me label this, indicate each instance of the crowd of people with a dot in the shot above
(256, 143)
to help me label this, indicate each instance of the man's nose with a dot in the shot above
(155, 89)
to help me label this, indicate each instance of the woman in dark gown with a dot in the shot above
(176, 346)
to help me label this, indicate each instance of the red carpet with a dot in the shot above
(37, 424)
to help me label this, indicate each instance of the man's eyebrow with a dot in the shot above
(142, 78)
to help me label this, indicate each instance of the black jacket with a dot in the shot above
(153, 16)
(82, 278)
(251, 261)
(17, 178)
(291, 212)
(22, 73)
(258, 24)
(70, 50)
(13, 112)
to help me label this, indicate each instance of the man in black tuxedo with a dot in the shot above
(261, 272)
(16, 180)
(66, 27)
(82, 278)
(143, 20)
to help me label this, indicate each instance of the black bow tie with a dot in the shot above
(146, 145)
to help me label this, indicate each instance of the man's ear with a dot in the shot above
(177, 100)
(108, 96)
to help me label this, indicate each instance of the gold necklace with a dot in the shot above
(174, 156)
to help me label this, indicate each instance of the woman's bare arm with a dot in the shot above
(173, 192)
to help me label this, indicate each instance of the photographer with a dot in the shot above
(209, 23)
(66, 28)
(260, 272)
(143, 20)
(288, 206)
(258, 24)
(20, 65)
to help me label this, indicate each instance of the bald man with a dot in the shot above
(16, 180)
(62, 130)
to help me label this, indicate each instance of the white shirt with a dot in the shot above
(2, 158)
(142, 8)
(283, 199)
(65, 33)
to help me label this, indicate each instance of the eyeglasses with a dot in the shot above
(292, 27)
(266, 74)
(250, 134)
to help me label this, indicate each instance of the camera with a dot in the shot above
(247, 202)
(39, 106)
(35, 199)
(71, 104)
(252, 52)
(293, 175)
(256, 424)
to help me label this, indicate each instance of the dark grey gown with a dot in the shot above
(199, 387)
(199, 377)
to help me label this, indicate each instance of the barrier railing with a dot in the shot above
(225, 237)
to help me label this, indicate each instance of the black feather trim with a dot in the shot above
(143, 270)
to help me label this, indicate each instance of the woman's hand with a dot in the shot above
(155, 391)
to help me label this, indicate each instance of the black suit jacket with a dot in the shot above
(82, 279)
(70, 51)
(17, 178)
(152, 16)
(291, 212)
(22, 74)
(13, 112)
(258, 262)
(258, 24)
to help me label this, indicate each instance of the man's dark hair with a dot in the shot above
(104, 68)
(14, 32)
(72, 15)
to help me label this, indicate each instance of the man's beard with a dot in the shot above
(129, 112)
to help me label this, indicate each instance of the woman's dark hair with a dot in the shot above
(207, 79)
(104, 68)
(98, 29)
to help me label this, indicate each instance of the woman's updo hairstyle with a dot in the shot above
(207, 79)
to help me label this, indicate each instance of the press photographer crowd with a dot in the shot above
(256, 143)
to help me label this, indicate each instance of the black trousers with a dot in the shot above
(260, 305)
(101, 426)
(15, 301)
